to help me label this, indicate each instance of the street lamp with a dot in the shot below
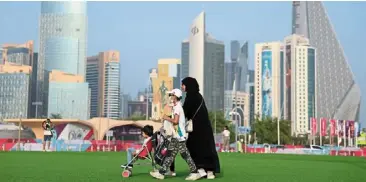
(236, 127)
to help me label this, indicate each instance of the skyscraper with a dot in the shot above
(20, 54)
(63, 28)
(300, 91)
(103, 76)
(338, 95)
(206, 63)
(268, 79)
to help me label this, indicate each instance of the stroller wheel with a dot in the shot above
(126, 173)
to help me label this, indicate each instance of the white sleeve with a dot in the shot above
(176, 111)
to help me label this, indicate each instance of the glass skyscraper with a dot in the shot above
(63, 33)
(338, 96)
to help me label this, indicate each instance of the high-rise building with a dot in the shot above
(235, 50)
(63, 33)
(243, 67)
(185, 59)
(125, 98)
(269, 79)
(68, 95)
(34, 104)
(164, 79)
(338, 95)
(251, 89)
(103, 76)
(15, 85)
(206, 63)
(238, 99)
(20, 54)
(230, 70)
(300, 90)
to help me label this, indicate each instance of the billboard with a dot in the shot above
(161, 85)
(340, 128)
(267, 83)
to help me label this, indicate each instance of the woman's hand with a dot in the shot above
(165, 117)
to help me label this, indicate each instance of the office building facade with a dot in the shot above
(68, 95)
(164, 79)
(208, 57)
(237, 99)
(103, 76)
(63, 35)
(269, 79)
(15, 85)
(300, 91)
(19, 54)
(338, 95)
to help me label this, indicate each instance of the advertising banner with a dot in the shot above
(323, 127)
(352, 129)
(347, 127)
(313, 126)
(267, 83)
(333, 127)
(356, 130)
(340, 128)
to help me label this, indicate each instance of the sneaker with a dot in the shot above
(129, 166)
(156, 175)
(202, 172)
(193, 177)
(210, 175)
(170, 174)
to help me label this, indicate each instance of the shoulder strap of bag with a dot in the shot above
(198, 109)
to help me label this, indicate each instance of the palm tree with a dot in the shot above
(56, 116)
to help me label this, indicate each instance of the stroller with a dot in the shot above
(155, 151)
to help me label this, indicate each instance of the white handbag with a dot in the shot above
(189, 123)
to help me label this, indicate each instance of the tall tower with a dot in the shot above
(338, 95)
(103, 76)
(206, 63)
(63, 33)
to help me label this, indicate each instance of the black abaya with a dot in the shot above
(201, 142)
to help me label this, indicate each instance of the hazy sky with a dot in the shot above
(143, 32)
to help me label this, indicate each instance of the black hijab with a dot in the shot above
(191, 85)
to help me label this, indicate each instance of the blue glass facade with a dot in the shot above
(63, 33)
(69, 100)
(311, 83)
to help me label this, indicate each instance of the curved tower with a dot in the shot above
(338, 96)
(63, 33)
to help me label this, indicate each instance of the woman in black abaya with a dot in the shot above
(201, 142)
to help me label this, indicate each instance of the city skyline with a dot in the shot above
(217, 14)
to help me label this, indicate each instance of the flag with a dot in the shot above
(313, 126)
(323, 126)
(332, 127)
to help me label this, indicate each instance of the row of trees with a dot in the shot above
(262, 130)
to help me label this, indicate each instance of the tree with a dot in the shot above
(137, 117)
(265, 131)
(55, 116)
(221, 122)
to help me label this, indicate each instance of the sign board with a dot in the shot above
(243, 130)
(109, 133)
(37, 103)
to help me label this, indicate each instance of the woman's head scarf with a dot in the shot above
(191, 84)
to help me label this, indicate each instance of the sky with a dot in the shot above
(144, 32)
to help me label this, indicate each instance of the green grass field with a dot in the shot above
(104, 167)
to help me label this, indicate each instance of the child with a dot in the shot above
(147, 132)
(168, 131)
(178, 141)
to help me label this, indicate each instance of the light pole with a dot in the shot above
(19, 132)
(236, 127)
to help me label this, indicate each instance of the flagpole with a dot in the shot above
(320, 131)
(344, 133)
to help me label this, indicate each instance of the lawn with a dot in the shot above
(104, 167)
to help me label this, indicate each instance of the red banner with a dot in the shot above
(313, 126)
(323, 126)
(332, 127)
